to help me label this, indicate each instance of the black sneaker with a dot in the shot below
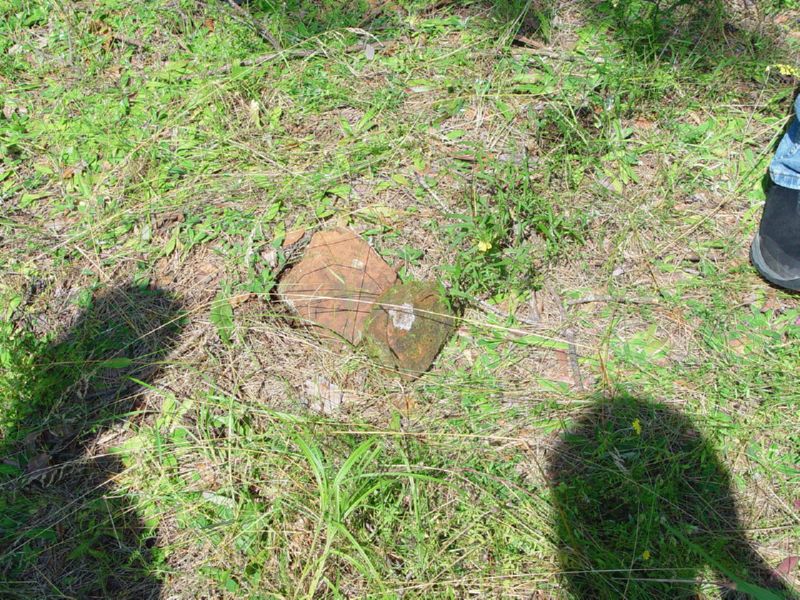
(775, 251)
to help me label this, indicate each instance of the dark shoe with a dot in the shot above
(775, 251)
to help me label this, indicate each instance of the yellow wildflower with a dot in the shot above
(646, 555)
(637, 426)
(785, 70)
(484, 246)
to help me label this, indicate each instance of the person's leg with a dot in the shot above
(785, 166)
(775, 251)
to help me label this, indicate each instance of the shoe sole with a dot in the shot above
(761, 266)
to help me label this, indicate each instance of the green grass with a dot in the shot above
(585, 190)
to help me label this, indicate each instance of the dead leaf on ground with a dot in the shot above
(293, 236)
(239, 299)
(9, 110)
(405, 403)
(562, 372)
(738, 346)
(324, 396)
(788, 565)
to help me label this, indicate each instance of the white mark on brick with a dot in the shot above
(403, 317)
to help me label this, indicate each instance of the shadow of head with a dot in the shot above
(643, 510)
(63, 526)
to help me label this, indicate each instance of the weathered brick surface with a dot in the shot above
(336, 283)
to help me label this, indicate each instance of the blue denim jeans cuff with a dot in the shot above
(785, 166)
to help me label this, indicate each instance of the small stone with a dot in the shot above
(336, 283)
(408, 327)
(324, 396)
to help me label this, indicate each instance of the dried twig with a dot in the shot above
(256, 61)
(537, 48)
(264, 58)
(591, 298)
(500, 313)
(430, 191)
(534, 304)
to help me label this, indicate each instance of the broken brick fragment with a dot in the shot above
(336, 283)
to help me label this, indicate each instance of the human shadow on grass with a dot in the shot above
(644, 510)
(65, 531)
